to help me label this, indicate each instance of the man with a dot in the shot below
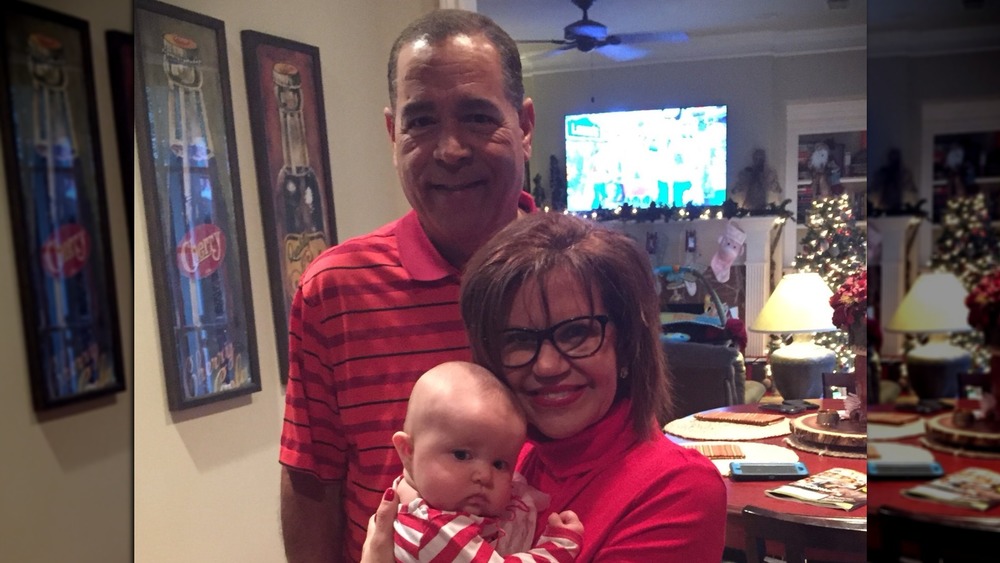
(375, 312)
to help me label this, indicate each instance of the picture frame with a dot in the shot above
(55, 184)
(192, 201)
(288, 122)
(121, 69)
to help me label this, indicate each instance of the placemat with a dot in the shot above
(894, 431)
(898, 453)
(691, 428)
(752, 453)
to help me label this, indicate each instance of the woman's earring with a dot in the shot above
(623, 373)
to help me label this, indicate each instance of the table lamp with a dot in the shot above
(934, 306)
(799, 305)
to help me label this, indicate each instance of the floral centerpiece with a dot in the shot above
(983, 302)
(850, 313)
(850, 309)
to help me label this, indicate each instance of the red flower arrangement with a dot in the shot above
(850, 302)
(983, 302)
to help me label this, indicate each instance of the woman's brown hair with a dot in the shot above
(537, 246)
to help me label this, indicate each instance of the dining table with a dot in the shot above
(880, 492)
(889, 492)
(739, 494)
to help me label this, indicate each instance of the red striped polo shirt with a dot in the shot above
(370, 316)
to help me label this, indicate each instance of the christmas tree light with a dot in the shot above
(834, 247)
(967, 247)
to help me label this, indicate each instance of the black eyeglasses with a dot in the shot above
(576, 338)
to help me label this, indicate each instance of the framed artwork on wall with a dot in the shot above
(288, 121)
(121, 66)
(191, 189)
(55, 184)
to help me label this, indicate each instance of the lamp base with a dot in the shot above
(797, 369)
(933, 369)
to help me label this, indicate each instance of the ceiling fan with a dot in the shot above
(588, 35)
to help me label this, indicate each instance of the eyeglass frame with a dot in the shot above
(541, 335)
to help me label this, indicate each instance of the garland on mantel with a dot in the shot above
(909, 209)
(689, 212)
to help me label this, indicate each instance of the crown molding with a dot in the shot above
(929, 42)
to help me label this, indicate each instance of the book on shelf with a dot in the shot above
(837, 487)
(972, 487)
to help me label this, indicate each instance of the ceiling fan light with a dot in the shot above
(586, 28)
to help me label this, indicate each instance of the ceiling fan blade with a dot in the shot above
(554, 52)
(539, 41)
(653, 37)
(622, 53)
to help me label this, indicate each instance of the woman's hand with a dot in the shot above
(378, 545)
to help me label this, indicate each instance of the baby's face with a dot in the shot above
(466, 463)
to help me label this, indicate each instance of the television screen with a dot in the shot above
(670, 157)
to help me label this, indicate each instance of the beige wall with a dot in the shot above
(206, 478)
(65, 478)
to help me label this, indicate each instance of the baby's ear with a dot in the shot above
(404, 447)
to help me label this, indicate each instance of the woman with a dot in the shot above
(566, 312)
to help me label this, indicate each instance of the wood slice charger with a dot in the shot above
(982, 435)
(847, 436)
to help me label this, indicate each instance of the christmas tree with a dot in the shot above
(967, 247)
(835, 247)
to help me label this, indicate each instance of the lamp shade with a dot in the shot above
(800, 303)
(935, 303)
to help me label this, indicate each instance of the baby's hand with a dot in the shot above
(566, 519)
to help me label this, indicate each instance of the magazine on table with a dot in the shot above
(972, 487)
(837, 487)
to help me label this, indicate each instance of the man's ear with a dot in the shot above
(404, 448)
(390, 123)
(527, 122)
(390, 126)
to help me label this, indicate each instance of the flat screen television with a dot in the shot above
(670, 156)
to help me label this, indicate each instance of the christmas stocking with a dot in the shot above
(730, 246)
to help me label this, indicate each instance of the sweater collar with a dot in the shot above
(600, 444)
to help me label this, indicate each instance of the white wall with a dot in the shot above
(206, 478)
(65, 478)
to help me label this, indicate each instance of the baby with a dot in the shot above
(459, 496)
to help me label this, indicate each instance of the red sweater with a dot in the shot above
(638, 501)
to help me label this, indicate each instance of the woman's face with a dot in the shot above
(561, 395)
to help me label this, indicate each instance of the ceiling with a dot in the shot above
(737, 28)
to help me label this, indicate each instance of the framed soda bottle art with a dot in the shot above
(285, 95)
(59, 215)
(190, 181)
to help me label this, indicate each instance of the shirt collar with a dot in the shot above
(419, 256)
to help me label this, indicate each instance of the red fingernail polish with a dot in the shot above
(389, 494)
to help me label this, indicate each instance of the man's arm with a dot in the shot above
(312, 518)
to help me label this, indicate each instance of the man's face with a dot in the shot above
(459, 145)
